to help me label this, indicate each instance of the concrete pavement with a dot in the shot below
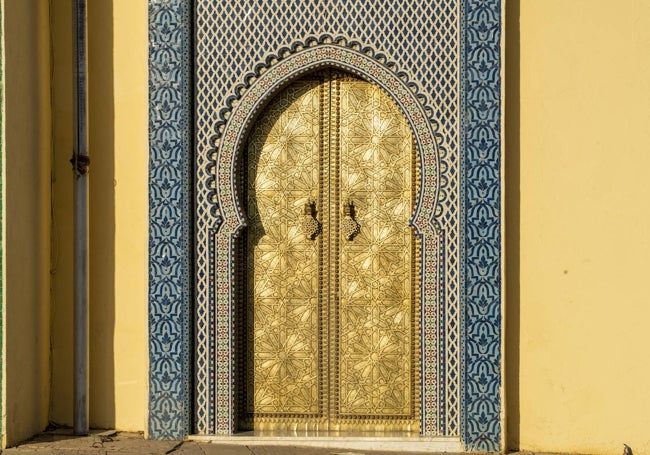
(62, 442)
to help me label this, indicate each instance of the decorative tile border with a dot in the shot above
(170, 206)
(290, 63)
(481, 130)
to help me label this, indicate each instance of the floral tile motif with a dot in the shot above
(170, 257)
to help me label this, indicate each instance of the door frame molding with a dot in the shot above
(228, 214)
(171, 215)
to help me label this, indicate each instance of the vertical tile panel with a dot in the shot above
(482, 212)
(170, 269)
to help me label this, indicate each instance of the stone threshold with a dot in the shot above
(347, 441)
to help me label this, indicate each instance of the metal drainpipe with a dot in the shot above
(80, 163)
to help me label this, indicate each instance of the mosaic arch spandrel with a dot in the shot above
(431, 48)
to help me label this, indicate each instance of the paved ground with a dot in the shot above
(107, 443)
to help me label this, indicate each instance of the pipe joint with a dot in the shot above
(80, 164)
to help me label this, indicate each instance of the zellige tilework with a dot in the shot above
(440, 62)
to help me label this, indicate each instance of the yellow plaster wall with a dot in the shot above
(62, 199)
(579, 147)
(131, 214)
(118, 213)
(28, 152)
(578, 135)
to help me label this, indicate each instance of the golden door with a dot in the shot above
(331, 305)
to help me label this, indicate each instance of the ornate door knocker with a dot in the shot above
(349, 225)
(310, 225)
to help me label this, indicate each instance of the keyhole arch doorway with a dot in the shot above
(329, 263)
(229, 208)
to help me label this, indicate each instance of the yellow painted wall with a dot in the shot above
(579, 148)
(578, 141)
(118, 214)
(131, 213)
(62, 200)
(28, 152)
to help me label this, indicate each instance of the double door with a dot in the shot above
(331, 279)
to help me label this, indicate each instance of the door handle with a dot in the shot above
(349, 225)
(310, 225)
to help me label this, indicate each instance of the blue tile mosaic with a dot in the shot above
(482, 225)
(170, 215)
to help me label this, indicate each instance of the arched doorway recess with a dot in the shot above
(224, 219)
(330, 301)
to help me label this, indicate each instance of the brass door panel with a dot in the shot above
(283, 283)
(331, 277)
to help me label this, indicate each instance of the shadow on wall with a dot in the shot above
(512, 213)
(27, 134)
(101, 212)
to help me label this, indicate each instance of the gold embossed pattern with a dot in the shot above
(375, 313)
(331, 332)
(284, 149)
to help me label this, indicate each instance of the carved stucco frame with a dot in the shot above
(250, 97)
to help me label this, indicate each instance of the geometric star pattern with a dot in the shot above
(376, 330)
(347, 302)
(283, 300)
